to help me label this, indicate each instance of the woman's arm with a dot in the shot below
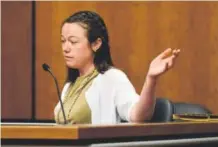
(144, 108)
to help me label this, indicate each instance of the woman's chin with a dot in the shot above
(71, 65)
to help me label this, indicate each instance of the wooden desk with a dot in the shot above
(84, 135)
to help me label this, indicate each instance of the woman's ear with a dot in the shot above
(96, 45)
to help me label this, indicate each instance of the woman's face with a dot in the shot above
(76, 47)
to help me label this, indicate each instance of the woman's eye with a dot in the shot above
(73, 42)
(62, 41)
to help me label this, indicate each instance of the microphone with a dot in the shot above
(47, 68)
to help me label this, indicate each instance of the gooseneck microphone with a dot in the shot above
(47, 68)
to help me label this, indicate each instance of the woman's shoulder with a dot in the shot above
(114, 74)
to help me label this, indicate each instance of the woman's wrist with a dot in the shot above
(151, 79)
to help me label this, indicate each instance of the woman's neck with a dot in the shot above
(86, 70)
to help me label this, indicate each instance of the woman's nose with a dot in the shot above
(66, 47)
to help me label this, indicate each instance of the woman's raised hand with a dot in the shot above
(163, 62)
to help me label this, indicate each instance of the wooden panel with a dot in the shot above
(39, 132)
(16, 60)
(138, 32)
(77, 132)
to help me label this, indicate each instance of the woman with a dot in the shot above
(96, 92)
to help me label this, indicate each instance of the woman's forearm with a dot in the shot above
(143, 109)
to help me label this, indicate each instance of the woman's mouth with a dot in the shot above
(68, 58)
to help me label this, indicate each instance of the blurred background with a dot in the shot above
(139, 31)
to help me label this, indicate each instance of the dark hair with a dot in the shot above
(96, 28)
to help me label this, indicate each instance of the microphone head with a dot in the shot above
(45, 67)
